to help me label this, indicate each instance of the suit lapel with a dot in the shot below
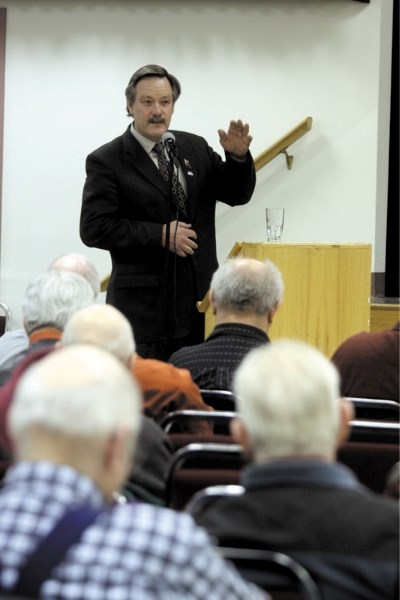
(141, 161)
(186, 160)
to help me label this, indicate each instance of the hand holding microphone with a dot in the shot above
(182, 238)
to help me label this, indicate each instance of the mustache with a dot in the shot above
(156, 120)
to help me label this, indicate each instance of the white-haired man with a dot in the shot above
(75, 418)
(49, 300)
(16, 341)
(245, 294)
(296, 498)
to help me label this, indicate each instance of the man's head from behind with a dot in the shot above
(104, 326)
(246, 287)
(78, 406)
(289, 401)
(81, 264)
(51, 298)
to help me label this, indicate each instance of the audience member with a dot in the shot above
(75, 419)
(165, 388)
(49, 300)
(81, 264)
(16, 341)
(244, 295)
(106, 327)
(147, 481)
(6, 396)
(12, 343)
(368, 364)
(297, 498)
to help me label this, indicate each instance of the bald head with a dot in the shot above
(78, 263)
(103, 326)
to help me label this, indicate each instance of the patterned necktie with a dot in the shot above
(177, 189)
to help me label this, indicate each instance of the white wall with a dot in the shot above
(269, 62)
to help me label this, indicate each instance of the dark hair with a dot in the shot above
(150, 71)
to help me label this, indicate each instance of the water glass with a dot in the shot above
(275, 220)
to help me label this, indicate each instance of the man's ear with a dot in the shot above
(115, 448)
(346, 414)
(116, 462)
(212, 302)
(131, 359)
(273, 310)
(239, 432)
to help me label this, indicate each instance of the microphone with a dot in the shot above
(168, 140)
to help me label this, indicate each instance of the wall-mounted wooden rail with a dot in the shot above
(281, 145)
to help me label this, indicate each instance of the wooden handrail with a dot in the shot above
(280, 146)
(104, 283)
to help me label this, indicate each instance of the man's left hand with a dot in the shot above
(236, 140)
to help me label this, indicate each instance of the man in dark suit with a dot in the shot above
(131, 210)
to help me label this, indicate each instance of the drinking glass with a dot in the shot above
(275, 220)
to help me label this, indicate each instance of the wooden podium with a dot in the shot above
(327, 290)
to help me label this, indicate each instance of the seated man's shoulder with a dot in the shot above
(181, 356)
(365, 342)
(159, 379)
(157, 521)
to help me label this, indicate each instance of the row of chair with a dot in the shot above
(213, 459)
(361, 430)
(199, 465)
(365, 408)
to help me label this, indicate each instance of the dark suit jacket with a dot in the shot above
(316, 512)
(125, 204)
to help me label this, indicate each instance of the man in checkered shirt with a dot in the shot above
(74, 419)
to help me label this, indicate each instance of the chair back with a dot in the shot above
(370, 461)
(374, 431)
(197, 466)
(375, 409)
(5, 318)
(203, 498)
(179, 420)
(219, 399)
(279, 574)
(178, 440)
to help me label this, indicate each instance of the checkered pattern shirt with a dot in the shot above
(132, 551)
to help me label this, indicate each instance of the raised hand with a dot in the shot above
(236, 140)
